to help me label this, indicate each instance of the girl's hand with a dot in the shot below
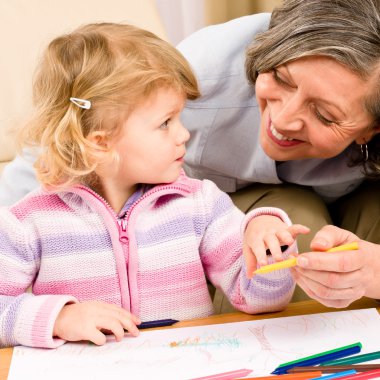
(267, 232)
(336, 279)
(87, 320)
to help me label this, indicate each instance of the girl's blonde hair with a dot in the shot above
(114, 66)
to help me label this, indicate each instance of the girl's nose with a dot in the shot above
(184, 135)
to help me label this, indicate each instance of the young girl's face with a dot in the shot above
(151, 144)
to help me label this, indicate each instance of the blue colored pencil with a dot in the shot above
(336, 375)
(158, 323)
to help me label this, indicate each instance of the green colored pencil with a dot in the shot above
(335, 368)
(320, 354)
(354, 359)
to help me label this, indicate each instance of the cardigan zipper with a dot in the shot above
(122, 223)
(123, 235)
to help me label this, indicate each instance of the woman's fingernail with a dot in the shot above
(303, 262)
(321, 242)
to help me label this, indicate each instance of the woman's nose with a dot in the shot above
(288, 114)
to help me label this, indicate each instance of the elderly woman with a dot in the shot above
(289, 117)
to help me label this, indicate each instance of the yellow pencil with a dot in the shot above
(293, 261)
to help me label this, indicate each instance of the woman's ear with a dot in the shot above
(368, 135)
(376, 130)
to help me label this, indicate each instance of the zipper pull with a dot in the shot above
(123, 236)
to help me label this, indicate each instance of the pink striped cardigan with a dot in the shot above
(70, 247)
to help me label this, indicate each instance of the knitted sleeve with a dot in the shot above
(221, 252)
(25, 319)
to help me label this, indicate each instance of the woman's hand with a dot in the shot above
(89, 320)
(336, 279)
(267, 232)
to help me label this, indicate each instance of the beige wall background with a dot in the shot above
(217, 11)
(183, 17)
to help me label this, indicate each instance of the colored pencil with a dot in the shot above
(293, 376)
(373, 374)
(320, 355)
(158, 323)
(354, 246)
(276, 266)
(293, 261)
(319, 358)
(355, 359)
(226, 375)
(336, 375)
(335, 368)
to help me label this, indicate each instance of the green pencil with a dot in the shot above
(334, 368)
(320, 354)
(354, 359)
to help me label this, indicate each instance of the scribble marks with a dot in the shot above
(213, 341)
(259, 333)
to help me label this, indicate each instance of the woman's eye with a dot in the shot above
(322, 119)
(278, 79)
(165, 124)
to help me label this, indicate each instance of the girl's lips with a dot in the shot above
(281, 142)
(181, 158)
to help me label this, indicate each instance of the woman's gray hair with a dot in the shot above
(345, 30)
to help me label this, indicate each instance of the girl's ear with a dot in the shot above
(99, 138)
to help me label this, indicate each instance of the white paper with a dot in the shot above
(185, 353)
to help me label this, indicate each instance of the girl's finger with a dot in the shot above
(130, 326)
(117, 329)
(274, 246)
(285, 237)
(297, 229)
(258, 249)
(250, 260)
(95, 336)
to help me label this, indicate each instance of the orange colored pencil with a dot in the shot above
(291, 376)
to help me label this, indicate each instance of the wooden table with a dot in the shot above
(297, 308)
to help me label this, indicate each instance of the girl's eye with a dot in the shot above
(322, 119)
(165, 124)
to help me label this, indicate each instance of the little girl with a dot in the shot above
(118, 234)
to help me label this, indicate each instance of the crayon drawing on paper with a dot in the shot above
(184, 353)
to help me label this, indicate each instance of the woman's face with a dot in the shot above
(311, 108)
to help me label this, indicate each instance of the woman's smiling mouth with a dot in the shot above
(279, 138)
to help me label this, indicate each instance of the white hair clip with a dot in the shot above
(82, 103)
